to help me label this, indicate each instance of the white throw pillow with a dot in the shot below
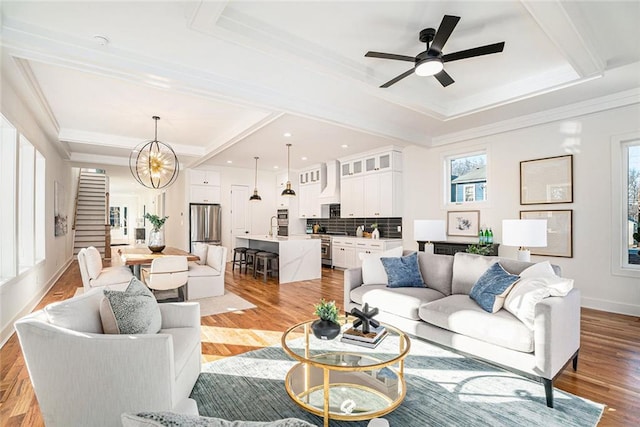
(541, 269)
(94, 262)
(373, 272)
(214, 257)
(558, 286)
(200, 250)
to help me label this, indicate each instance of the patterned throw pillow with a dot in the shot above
(403, 272)
(132, 311)
(170, 419)
(492, 287)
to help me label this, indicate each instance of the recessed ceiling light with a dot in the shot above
(304, 158)
(229, 161)
(101, 40)
(344, 146)
(287, 134)
(275, 167)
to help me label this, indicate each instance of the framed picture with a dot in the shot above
(559, 232)
(463, 223)
(59, 211)
(548, 180)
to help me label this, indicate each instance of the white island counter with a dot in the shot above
(299, 256)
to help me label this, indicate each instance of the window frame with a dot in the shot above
(446, 160)
(619, 204)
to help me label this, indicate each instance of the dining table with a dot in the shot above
(136, 256)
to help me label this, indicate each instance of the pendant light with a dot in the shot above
(154, 164)
(256, 197)
(288, 191)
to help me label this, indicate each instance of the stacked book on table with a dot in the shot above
(370, 339)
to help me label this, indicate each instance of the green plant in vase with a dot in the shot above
(326, 327)
(156, 236)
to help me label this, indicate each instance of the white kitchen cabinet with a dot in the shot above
(383, 192)
(281, 183)
(351, 168)
(352, 197)
(382, 162)
(346, 251)
(204, 186)
(309, 202)
(204, 177)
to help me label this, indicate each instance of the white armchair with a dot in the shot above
(94, 275)
(83, 377)
(207, 279)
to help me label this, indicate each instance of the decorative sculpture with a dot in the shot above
(365, 318)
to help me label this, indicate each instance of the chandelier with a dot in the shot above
(154, 164)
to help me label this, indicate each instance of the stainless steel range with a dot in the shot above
(325, 247)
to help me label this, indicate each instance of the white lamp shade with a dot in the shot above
(524, 232)
(429, 230)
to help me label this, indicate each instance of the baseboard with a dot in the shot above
(8, 330)
(611, 306)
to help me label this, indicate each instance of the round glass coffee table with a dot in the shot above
(343, 381)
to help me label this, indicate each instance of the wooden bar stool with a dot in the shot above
(241, 252)
(265, 263)
(251, 259)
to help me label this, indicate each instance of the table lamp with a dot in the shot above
(523, 233)
(427, 231)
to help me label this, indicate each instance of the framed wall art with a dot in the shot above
(59, 209)
(559, 232)
(548, 180)
(463, 223)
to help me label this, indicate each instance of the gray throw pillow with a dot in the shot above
(492, 288)
(403, 272)
(132, 311)
(162, 419)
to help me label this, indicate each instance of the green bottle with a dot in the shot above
(481, 237)
(490, 237)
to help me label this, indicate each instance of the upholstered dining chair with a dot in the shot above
(94, 275)
(166, 273)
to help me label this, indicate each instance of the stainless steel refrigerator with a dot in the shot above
(204, 224)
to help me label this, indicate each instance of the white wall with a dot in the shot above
(591, 262)
(21, 294)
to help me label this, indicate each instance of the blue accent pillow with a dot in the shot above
(403, 272)
(492, 288)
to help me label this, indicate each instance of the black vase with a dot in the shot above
(325, 329)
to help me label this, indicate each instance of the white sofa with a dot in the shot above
(95, 276)
(83, 377)
(206, 277)
(444, 314)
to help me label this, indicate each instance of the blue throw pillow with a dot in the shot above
(492, 287)
(403, 272)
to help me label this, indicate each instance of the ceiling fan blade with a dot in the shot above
(390, 56)
(397, 79)
(445, 29)
(476, 51)
(444, 78)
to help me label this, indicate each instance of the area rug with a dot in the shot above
(227, 303)
(443, 389)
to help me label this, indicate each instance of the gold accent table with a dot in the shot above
(341, 381)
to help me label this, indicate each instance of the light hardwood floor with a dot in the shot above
(608, 371)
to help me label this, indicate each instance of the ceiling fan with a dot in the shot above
(431, 61)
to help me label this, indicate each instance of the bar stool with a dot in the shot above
(251, 259)
(241, 251)
(269, 265)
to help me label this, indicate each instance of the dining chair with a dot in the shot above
(166, 273)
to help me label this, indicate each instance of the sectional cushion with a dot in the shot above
(80, 313)
(460, 314)
(436, 271)
(467, 269)
(492, 287)
(403, 302)
(373, 272)
(132, 311)
(403, 271)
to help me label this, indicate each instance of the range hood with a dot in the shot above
(331, 193)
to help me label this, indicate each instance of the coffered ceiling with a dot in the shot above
(229, 78)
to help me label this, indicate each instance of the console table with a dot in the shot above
(450, 248)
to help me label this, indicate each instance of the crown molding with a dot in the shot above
(84, 158)
(595, 105)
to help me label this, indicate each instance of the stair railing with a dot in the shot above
(107, 223)
(75, 207)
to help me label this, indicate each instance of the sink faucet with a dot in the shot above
(271, 225)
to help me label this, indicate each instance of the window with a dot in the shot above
(625, 186)
(631, 162)
(8, 169)
(467, 178)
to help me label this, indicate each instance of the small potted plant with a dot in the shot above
(327, 326)
(156, 236)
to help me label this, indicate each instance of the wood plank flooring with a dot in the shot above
(608, 371)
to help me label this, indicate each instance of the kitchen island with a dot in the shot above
(299, 256)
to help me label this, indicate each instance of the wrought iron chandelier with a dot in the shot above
(154, 164)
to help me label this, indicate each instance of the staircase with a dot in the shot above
(91, 208)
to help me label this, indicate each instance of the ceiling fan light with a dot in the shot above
(429, 67)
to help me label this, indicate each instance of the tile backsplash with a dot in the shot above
(388, 227)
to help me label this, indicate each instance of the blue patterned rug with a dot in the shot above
(443, 389)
